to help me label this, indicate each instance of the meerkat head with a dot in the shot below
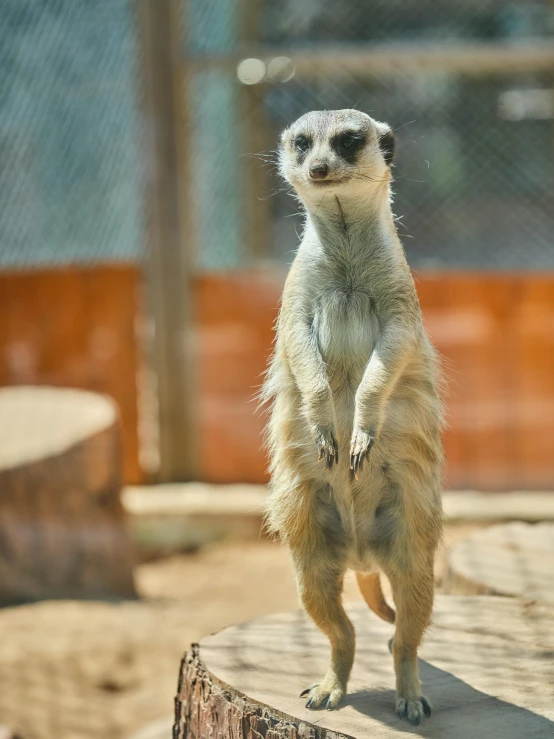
(337, 151)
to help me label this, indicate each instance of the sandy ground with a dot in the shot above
(76, 670)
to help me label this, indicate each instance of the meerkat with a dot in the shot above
(354, 434)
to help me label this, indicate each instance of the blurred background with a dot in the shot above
(143, 249)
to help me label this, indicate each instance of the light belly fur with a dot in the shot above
(346, 337)
(346, 332)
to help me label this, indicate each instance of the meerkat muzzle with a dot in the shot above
(319, 171)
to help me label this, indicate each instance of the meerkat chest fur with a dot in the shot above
(348, 257)
(345, 321)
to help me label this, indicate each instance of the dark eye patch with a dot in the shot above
(386, 144)
(302, 145)
(348, 144)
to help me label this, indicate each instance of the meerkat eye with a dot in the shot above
(302, 144)
(348, 144)
(347, 141)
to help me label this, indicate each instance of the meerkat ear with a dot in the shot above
(386, 142)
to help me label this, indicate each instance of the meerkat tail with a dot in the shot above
(370, 588)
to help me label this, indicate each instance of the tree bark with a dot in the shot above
(205, 708)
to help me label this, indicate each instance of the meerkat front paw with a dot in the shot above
(323, 695)
(327, 446)
(413, 708)
(362, 441)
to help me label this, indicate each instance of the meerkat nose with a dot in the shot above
(319, 171)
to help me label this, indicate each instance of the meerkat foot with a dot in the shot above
(361, 444)
(323, 695)
(327, 447)
(413, 708)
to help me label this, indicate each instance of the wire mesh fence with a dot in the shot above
(70, 180)
(468, 87)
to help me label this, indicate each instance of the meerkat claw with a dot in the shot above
(362, 442)
(413, 709)
(331, 459)
(327, 448)
(357, 464)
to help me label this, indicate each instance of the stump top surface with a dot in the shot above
(514, 559)
(486, 665)
(40, 422)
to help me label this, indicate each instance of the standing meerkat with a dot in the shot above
(353, 384)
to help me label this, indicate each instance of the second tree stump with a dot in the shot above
(62, 532)
(515, 559)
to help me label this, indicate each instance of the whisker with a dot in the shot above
(404, 124)
(273, 193)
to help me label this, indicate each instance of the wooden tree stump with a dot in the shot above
(487, 667)
(62, 531)
(7, 733)
(514, 559)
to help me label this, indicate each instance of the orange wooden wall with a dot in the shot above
(495, 332)
(75, 327)
(235, 313)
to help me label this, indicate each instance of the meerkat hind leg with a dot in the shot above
(320, 589)
(413, 596)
